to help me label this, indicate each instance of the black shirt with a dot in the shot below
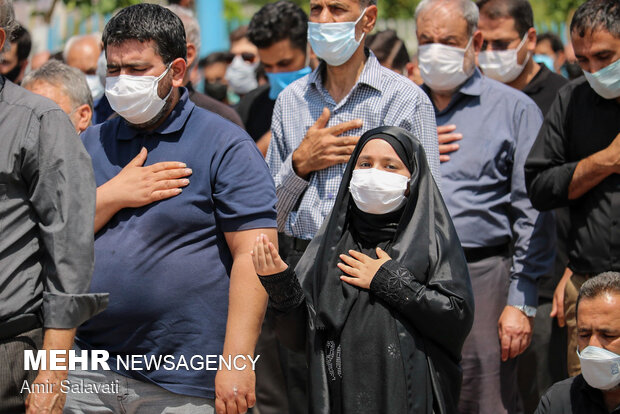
(213, 105)
(579, 124)
(543, 89)
(256, 109)
(573, 396)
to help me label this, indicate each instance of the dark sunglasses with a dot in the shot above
(247, 56)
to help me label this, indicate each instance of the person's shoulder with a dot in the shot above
(564, 388)
(203, 123)
(397, 83)
(513, 98)
(579, 88)
(555, 80)
(24, 100)
(297, 89)
(211, 104)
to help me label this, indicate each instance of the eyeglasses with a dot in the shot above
(497, 44)
(247, 56)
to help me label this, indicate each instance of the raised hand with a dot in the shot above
(265, 257)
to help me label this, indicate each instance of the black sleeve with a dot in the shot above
(287, 304)
(547, 170)
(439, 310)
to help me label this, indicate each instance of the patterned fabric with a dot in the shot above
(380, 97)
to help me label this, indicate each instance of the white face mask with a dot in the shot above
(606, 82)
(95, 86)
(335, 43)
(441, 66)
(378, 192)
(600, 367)
(502, 65)
(241, 75)
(135, 98)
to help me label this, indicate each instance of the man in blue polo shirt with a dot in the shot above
(179, 270)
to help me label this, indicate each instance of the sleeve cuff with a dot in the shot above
(291, 182)
(522, 292)
(283, 289)
(67, 311)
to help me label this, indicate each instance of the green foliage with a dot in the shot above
(90, 7)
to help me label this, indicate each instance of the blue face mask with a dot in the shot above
(606, 82)
(279, 81)
(335, 43)
(547, 60)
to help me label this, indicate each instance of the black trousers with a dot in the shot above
(13, 377)
(281, 375)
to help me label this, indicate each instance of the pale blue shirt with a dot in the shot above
(380, 97)
(484, 184)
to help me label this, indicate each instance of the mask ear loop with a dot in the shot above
(160, 77)
(356, 22)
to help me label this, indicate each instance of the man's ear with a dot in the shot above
(83, 115)
(530, 43)
(2, 38)
(191, 54)
(477, 41)
(370, 19)
(178, 68)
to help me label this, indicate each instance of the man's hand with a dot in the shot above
(361, 268)
(515, 332)
(47, 402)
(557, 307)
(137, 186)
(234, 391)
(445, 135)
(321, 147)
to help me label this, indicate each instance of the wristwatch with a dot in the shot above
(529, 311)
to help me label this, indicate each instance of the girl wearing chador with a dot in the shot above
(381, 300)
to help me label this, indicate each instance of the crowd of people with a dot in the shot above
(385, 233)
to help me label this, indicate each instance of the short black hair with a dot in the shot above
(607, 282)
(215, 57)
(519, 10)
(595, 15)
(21, 37)
(145, 22)
(387, 45)
(279, 21)
(555, 41)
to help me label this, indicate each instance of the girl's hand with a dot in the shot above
(361, 268)
(265, 257)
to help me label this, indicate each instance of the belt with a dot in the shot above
(18, 325)
(475, 254)
(292, 242)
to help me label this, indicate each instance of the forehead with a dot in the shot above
(280, 50)
(133, 51)
(442, 19)
(594, 42)
(602, 311)
(378, 147)
(348, 4)
(500, 27)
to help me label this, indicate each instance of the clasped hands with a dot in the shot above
(360, 269)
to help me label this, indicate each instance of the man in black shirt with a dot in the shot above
(597, 390)
(279, 31)
(504, 25)
(575, 161)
